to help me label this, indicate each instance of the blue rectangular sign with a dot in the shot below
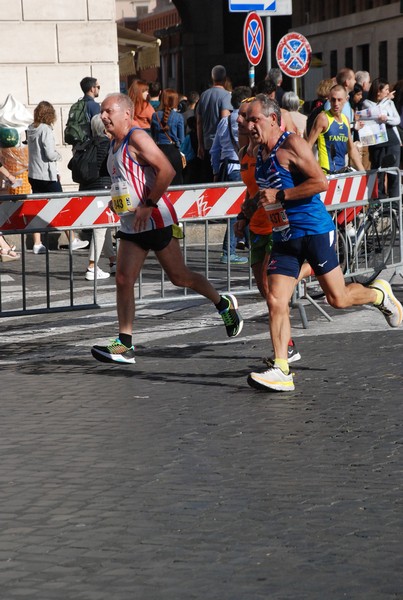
(264, 7)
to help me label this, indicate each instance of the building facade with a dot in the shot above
(360, 34)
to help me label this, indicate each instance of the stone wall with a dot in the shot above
(48, 46)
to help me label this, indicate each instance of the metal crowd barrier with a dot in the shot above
(350, 199)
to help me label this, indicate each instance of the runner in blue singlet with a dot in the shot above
(290, 181)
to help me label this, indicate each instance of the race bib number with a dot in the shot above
(277, 216)
(121, 199)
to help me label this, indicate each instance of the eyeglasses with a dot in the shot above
(247, 100)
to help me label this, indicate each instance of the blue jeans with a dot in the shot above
(233, 176)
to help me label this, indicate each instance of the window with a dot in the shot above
(363, 58)
(383, 59)
(348, 58)
(333, 63)
(400, 58)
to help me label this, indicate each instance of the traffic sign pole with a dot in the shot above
(268, 44)
(251, 76)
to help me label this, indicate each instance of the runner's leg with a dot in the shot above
(129, 262)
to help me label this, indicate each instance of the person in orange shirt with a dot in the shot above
(143, 110)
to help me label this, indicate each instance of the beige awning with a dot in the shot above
(137, 50)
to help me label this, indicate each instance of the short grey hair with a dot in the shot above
(362, 76)
(269, 107)
(290, 101)
(123, 101)
(218, 73)
(97, 127)
(275, 75)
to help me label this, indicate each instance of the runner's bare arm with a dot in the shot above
(319, 126)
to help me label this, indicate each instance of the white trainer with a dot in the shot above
(39, 249)
(90, 274)
(272, 380)
(390, 307)
(77, 244)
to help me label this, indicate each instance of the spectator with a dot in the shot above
(191, 173)
(363, 78)
(380, 95)
(101, 238)
(322, 92)
(193, 99)
(398, 100)
(90, 88)
(226, 167)
(154, 94)
(291, 103)
(168, 131)
(276, 76)
(42, 166)
(214, 104)
(143, 111)
(7, 252)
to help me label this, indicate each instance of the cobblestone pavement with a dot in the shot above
(171, 479)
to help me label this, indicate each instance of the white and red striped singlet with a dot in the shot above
(139, 179)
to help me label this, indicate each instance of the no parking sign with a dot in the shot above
(253, 38)
(294, 54)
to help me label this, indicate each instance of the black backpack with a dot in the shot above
(78, 126)
(84, 163)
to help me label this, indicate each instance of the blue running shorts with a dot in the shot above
(319, 250)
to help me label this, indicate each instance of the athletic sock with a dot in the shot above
(282, 363)
(380, 296)
(222, 305)
(126, 339)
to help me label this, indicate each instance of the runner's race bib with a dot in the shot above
(277, 216)
(121, 199)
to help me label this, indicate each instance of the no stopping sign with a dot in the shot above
(294, 54)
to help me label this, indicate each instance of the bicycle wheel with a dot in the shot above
(374, 245)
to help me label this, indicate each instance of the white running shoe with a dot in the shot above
(39, 249)
(390, 307)
(272, 380)
(90, 274)
(77, 244)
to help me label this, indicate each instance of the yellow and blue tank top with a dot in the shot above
(332, 144)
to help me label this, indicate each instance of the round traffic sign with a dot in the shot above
(253, 38)
(294, 54)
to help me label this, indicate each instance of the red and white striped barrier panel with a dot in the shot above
(80, 212)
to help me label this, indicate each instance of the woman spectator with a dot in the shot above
(290, 102)
(398, 100)
(168, 131)
(101, 238)
(143, 111)
(42, 163)
(322, 92)
(380, 96)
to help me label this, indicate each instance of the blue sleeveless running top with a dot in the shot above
(138, 180)
(307, 216)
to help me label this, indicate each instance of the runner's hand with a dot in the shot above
(141, 217)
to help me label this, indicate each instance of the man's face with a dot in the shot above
(337, 100)
(114, 117)
(96, 89)
(259, 126)
(241, 119)
(350, 82)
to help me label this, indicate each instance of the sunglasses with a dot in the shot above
(247, 100)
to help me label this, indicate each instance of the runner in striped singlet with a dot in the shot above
(140, 175)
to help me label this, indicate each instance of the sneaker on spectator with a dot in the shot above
(234, 259)
(112, 268)
(390, 307)
(90, 274)
(241, 246)
(232, 319)
(293, 356)
(115, 352)
(274, 379)
(39, 249)
(77, 244)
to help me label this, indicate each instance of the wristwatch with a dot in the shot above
(280, 196)
(150, 203)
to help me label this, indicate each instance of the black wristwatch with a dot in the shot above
(280, 196)
(150, 203)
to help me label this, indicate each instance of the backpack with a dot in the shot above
(78, 126)
(84, 162)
